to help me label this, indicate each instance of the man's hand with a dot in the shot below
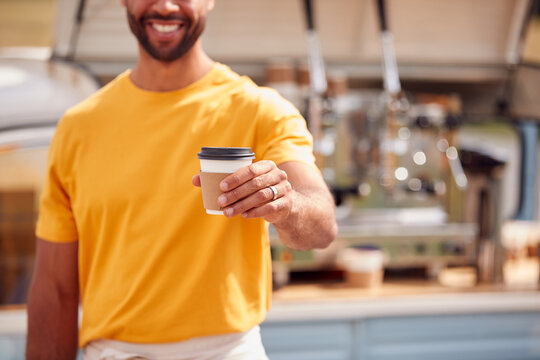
(302, 212)
(247, 192)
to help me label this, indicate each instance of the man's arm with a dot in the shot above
(302, 212)
(311, 222)
(53, 303)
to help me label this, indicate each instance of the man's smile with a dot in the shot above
(164, 30)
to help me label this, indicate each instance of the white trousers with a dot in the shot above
(235, 346)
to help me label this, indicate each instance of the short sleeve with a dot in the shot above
(56, 222)
(282, 132)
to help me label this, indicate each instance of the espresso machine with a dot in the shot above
(391, 160)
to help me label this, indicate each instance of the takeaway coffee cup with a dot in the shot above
(364, 266)
(216, 164)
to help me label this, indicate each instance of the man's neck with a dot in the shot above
(153, 75)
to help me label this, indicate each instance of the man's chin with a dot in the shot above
(164, 55)
(168, 51)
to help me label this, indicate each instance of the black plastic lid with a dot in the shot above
(226, 153)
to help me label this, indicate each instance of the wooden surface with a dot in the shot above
(339, 302)
(339, 291)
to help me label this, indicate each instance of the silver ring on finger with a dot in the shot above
(274, 191)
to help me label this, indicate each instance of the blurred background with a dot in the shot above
(425, 120)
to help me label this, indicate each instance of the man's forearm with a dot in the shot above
(52, 325)
(311, 222)
(53, 302)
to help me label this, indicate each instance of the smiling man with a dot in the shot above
(122, 229)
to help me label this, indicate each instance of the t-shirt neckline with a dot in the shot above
(203, 81)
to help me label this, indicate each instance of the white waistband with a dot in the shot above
(206, 347)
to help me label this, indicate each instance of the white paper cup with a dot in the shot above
(362, 259)
(216, 164)
(364, 266)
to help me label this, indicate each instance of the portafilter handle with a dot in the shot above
(390, 70)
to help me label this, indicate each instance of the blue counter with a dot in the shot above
(461, 325)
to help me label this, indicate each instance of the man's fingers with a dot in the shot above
(250, 187)
(271, 211)
(247, 173)
(257, 199)
(196, 180)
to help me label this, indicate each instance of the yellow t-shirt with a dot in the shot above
(153, 266)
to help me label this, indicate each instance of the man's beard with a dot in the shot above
(166, 55)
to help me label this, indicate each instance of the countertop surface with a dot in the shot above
(337, 301)
(397, 298)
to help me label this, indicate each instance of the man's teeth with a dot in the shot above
(165, 28)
